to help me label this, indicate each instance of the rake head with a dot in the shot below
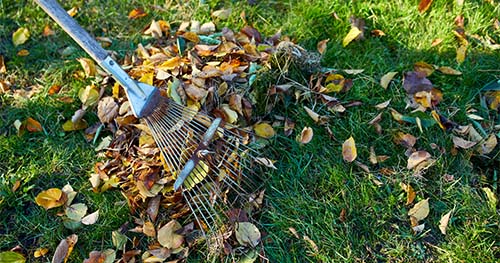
(212, 163)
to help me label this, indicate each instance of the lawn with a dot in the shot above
(318, 207)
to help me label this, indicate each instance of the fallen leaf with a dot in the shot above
(88, 95)
(335, 83)
(149, 229)
(64, 249)
(70, 193)
(322, 46)
(492, 199)
(349, 152)
(263, 130)
(54, 89)
(107, 109)
(90, 219)
(436, 42)
(410, 193)
(222, 14)
(33, 125)
(23, 53)
(377, 33)
(168, 238)
(312, 114)
(443, 223)
(153, 207)
(449, 71)
(461, 143)
(247, 234)
(289, 126)
(424, 5)
(353, 34)
(386, 79)
(423, 67)
(417, 158)
(88, 66)
(95, 257)
(415, 81)
(136, 13)
(231, 116)
(73, 11)
(47, 31)
(11, 257)
(20, 36)
(294, 232)
(266, 162)
(421, 210)
(70, 126)
(353, 71)
(488, 146)
(39, 252)
(3, 69)
(118, 239)
(311, 244)
(461, 53)
(75, 212)
(306, 135)
(383, 105)
(51, 198)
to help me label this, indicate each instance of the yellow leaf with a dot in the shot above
(306, 135)
(149, 229)
(417, 158)
(424, 67)
(88, 66)
(23, 53)
(488, 146)
(191, 36)
(423, 98)
(421, 210)
(170, 64)
(70, 126)
(51, 198)
(40, 252)
(335, 83)
(167, 236)
(461, 53)
(386, 79)
(231, 115)
(11, 257)
(136, 13)
(263, 130)
(443, 223)
(353, 33)
(73, 11)
(20, 36)
(47, 31)
(349, 151)
(492, 199)
(410, 193)
(247, 234)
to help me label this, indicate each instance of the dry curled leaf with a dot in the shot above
(107, 109)
(424, 5)
(322, 46)
(33, 125)
(462, 143)
(136, 13)
(416, 158)
(443, 223)
(410, 193)
(167, 236)
(306, 135)
(349, 152)
(64, 249)
(90, 219)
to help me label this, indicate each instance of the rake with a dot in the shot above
(210, 159)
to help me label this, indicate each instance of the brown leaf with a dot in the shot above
(416, 81)
(405, 139)
(311, 244)
(377, 33)
(88, 66)
(322, 46)
(136, 13)
(443, 222)
(449, 71)
(461, 143)
(289, 126)
(64, 249)
(417, 158)
(410, 193)
(195, 93)
(349, 152)
(149, 229)
(23, 53)
(488, 146)
(383, 105)
(33, 125)
(153, 207)
(54, 89)
(251, 32)
(436, 42)
(424, 5)
(107, 109)
(95, 257)
(306, 135)
(47, 31)
(3, 69)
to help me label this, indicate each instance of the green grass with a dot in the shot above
(312, 184)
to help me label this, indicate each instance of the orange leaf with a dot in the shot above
(136, 13)
(54, 89)
(33, 125)
(322, 46)
(424, 5)
(47, 31)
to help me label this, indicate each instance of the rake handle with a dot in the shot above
(73, 29)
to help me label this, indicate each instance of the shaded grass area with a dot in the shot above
(312, 185)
